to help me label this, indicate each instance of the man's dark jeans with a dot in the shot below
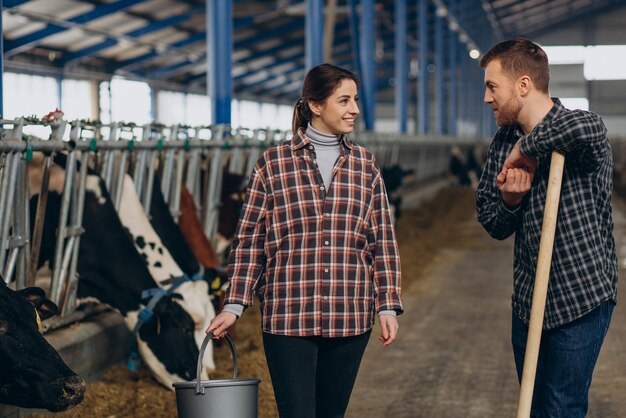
(567, 357)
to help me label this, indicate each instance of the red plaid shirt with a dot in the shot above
(322, 262)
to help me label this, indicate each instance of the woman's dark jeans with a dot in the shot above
(313, 376)
(567, 357)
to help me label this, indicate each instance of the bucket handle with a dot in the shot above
(207, 339)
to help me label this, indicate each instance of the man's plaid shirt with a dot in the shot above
(584, 264)
(323, 262)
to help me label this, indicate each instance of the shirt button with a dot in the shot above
(310, 146)
(325, 298)
(327, 214)
(326, 242)
(322, 188)
(325, 270)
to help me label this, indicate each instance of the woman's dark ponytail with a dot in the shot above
(301, 115)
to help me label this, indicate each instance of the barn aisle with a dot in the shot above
(454, 358)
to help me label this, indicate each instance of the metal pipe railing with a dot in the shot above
(9, 173)
(78, 199)
(185, 159)
(213, 198)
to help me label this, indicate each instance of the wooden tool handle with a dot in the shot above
(542, 277)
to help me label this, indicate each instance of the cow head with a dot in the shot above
(33, 374)
(166, 342)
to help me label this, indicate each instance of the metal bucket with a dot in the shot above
(236, 398)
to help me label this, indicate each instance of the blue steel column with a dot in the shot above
(355, 42)
(478, 89)
(1, 62)
(452, 81)
(314, 28)
(463, 86)
(422, 93)
(220, 52)
(402, 70)
(477, 101)
(468, 105)
(460, 87)
(354, 36)
(368, 62)
(473, 109)
(440, 125)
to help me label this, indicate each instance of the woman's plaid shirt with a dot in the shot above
(584, 264)
(323, 262)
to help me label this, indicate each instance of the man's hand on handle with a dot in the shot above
(516, 177)
(518, 160)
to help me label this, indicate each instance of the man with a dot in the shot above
(511, 198)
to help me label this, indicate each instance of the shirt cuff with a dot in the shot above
(388, 312)
(233, 308)
(389, 301)
(507, 211)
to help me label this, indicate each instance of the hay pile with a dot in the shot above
(117, 396)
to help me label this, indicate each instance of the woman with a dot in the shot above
(315, 242)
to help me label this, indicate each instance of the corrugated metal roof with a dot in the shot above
(164, 40)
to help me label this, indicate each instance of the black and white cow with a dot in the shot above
(164, 268)
(193, 232)
(111, 271)
(186, 241)
(32, 374)
(169, 232)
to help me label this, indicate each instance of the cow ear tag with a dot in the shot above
(39, 325)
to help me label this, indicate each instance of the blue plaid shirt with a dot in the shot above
(584, 264)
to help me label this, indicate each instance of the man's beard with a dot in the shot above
(509, 112)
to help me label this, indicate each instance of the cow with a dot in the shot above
(231, 202)
(163, 267)
(191, 228)
(111, 271)
(193, 233)
(170, 234)
(394, 178)
(232, 198)
(186, 241)
(33, 375)
(463, 167)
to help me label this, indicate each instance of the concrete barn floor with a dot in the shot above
(454, 358)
